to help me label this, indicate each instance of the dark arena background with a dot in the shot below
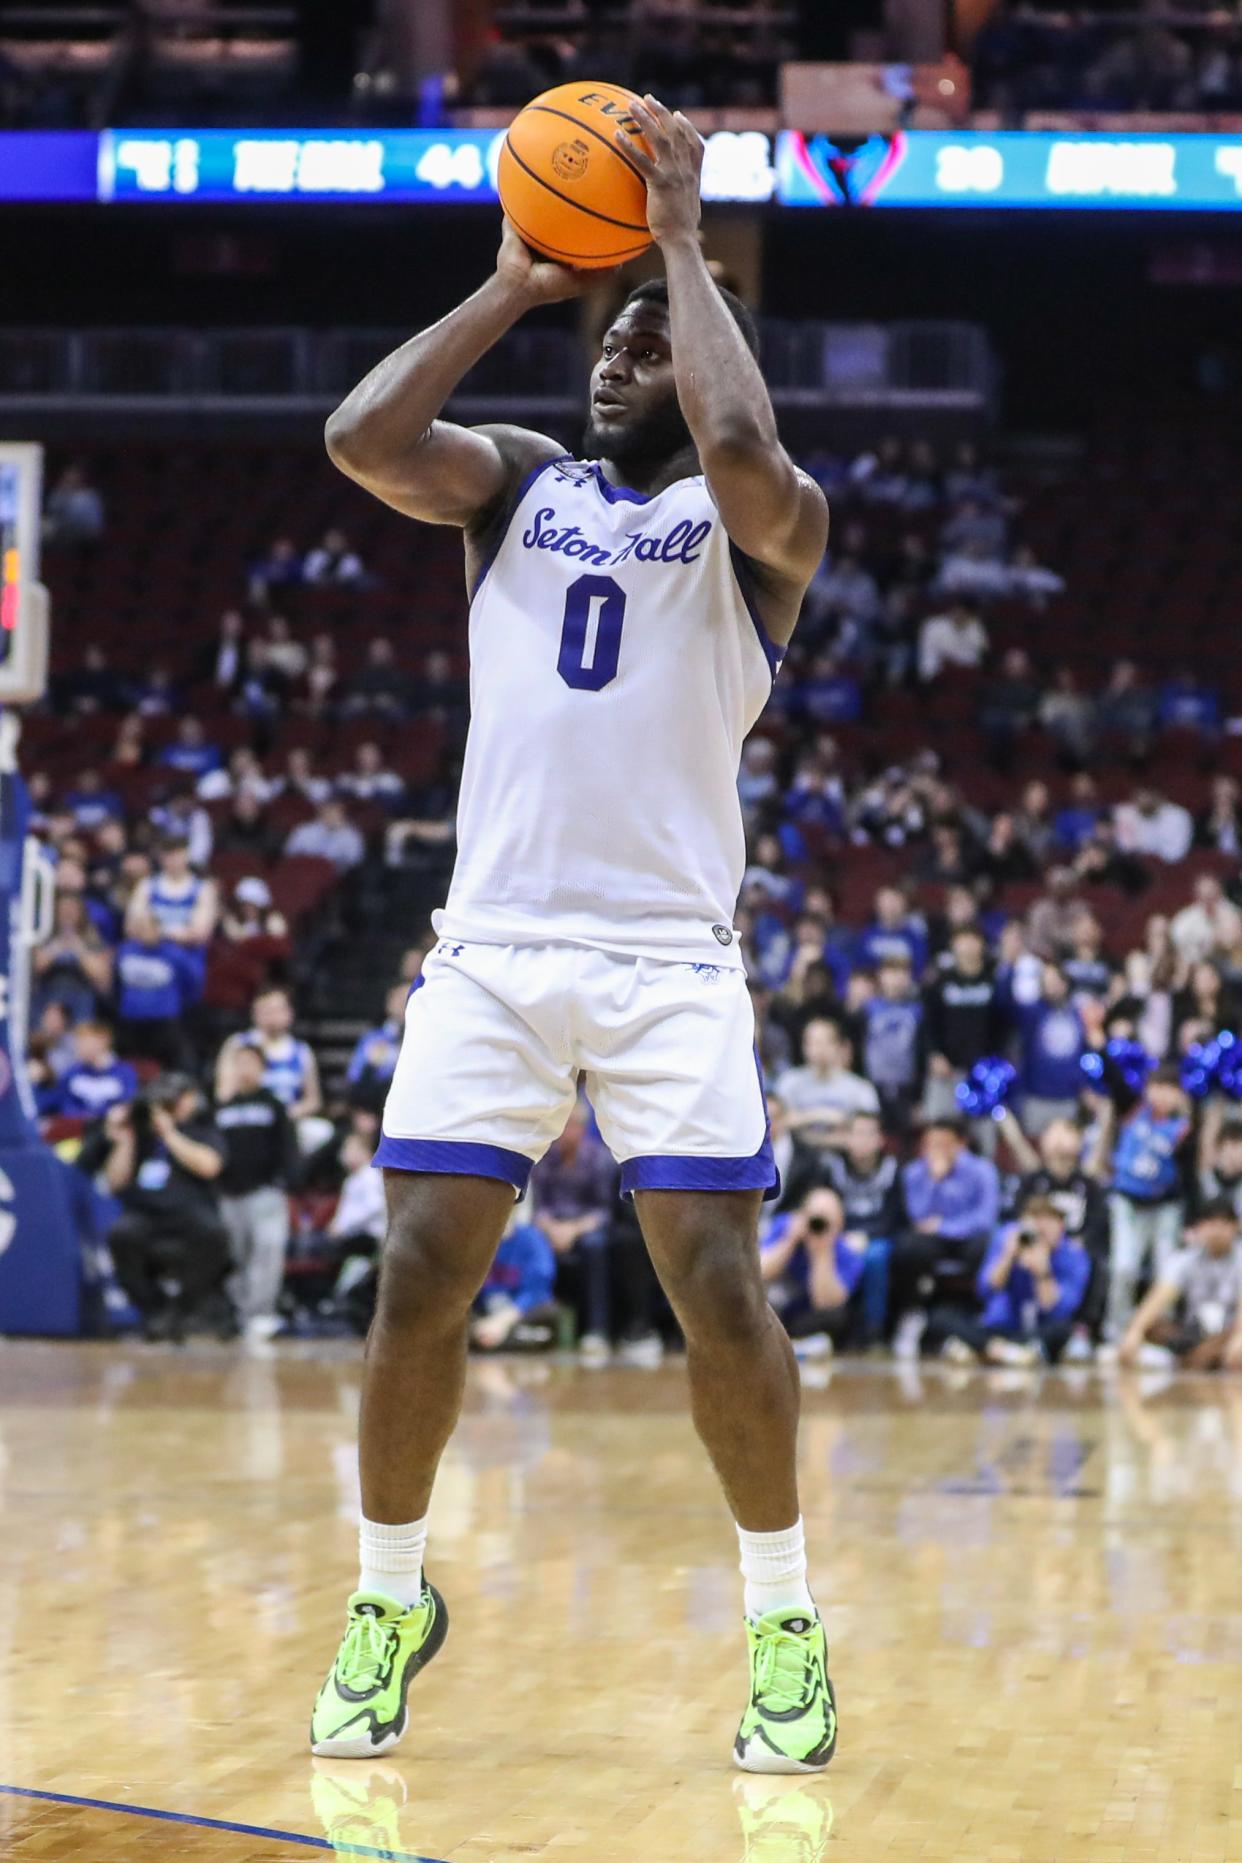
(991, 916)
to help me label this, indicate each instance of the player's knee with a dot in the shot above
(717, 1293)
(424, 1281)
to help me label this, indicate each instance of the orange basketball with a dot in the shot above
(569, 189)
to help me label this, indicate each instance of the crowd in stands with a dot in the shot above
(690, 55)
(961, 850)
(1032, 58)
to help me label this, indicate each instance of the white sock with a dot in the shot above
(392, 1559)
(774, 1567)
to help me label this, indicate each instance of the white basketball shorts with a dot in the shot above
(497, 1035)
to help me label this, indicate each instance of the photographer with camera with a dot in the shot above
(811, 1267)
(162, 1157)
(1032, 1284)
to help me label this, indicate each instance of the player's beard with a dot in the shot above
(650, 441)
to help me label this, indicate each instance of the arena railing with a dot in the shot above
(809, 365)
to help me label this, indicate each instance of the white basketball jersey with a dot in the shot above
(616, 664)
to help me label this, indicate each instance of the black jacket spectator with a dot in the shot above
(162, 1158)
(261, 1145)
(965, 1020)
(872, 1200)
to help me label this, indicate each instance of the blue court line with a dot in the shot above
(217, 1824)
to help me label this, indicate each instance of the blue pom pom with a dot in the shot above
(1199, 1064)
(1132, 1062)
(987, 1087)
(1229, 1064)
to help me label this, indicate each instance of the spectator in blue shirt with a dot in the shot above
(190, 751)
(374, 1060)
(894, 930)
(1052, 1040)
(953, 1202)
(1031, 1286)
(90, 804)
(1151, 1174)
(816, 797)
(279, 569)
(830, 694)
(811, 1267)
(1078, 820)
(96, 1080)
(1184, 703)
(515, 1306)
(892, 1043)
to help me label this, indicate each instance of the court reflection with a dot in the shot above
(783, 1820)
(358, 1803)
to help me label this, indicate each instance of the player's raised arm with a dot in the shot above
(775, 514)
(386, 433)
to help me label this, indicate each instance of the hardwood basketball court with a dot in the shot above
(1033, 1590)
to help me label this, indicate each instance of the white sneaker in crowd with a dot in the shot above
(647, 1351)
(957, 1352)
(909, 1335)
(1010, 1352)
(264, 1326)
(593, 1349)
(815, 1345)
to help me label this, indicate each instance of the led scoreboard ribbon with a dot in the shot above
(916, 168)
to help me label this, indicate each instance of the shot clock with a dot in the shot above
(23, 600)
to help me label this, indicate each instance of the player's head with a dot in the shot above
(944, 1141)
(174, 853)
(864, 1140)
(1227, 1159)
(825, 1045)
(1040, 1217)
(635, 415)
(970, 950)
(273, 1012)
(92, 1040)
(1217, 1227)
(1061, 1146)
(894, 974)
(249, 1065)
(1164, 1093)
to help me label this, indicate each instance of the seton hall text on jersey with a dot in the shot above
(683, 543)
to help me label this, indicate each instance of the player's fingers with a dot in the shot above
(657, 130)
(659, 111)
(640, 158)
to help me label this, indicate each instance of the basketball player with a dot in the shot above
(628, 613)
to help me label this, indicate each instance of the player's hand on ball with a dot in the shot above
(672, 171)
(541, 281)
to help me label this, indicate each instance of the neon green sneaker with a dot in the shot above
(791, 1723)
(361, 1708)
